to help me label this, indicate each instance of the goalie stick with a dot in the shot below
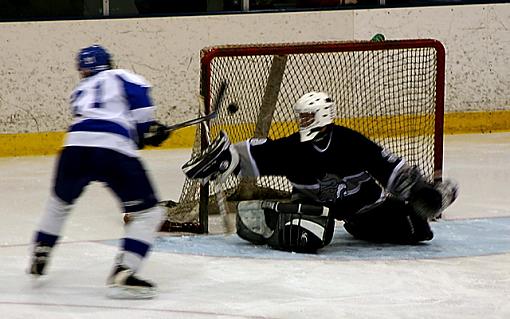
(220, 195)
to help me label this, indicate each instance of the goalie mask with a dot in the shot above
(94, 58)
(314, 111)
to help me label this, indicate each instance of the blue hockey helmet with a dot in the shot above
(94, 58)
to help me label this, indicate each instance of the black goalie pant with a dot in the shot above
(390, 221)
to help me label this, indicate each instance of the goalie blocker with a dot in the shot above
(285, 226)
(218, 161)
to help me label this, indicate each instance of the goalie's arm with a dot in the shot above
(264, 157)
(221, 159)
(400, 179)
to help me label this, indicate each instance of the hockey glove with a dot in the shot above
(403, 180)
(156, 134)
(218, 161)
(429, 201)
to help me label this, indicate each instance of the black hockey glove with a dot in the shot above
(331, 188)
(155, 135)
(429, 201)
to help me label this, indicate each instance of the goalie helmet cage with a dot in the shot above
(391, 91)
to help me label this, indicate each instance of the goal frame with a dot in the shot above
(210, 53)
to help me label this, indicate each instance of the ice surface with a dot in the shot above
(463, 273)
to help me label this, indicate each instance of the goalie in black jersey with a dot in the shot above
(336, 174)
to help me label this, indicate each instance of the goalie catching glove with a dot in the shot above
(428, 200)
(218, 161)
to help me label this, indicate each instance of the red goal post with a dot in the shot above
(391, 91)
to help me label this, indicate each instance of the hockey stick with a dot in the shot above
(220, 195)
(198, 120)
(201, 119)
(194, 227)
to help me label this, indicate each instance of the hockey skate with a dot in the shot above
(123, 284)
(40, 258)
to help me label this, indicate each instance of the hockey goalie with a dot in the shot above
(336, 174)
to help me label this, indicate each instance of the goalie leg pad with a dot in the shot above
(251, 222)
(285, 226)
(389, 221)
(218, 160)
(302, 233)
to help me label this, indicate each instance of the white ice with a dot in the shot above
(194, 286)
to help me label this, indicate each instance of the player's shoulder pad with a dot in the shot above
(130, 77)
(347, 134)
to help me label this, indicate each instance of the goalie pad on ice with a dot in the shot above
(285, 226)
(218, 160)
(251, 222)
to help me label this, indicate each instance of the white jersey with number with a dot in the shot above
(110, 110)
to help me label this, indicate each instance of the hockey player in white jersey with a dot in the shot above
(113, 118)
(336, 173)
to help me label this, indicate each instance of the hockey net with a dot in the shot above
(391, 91)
